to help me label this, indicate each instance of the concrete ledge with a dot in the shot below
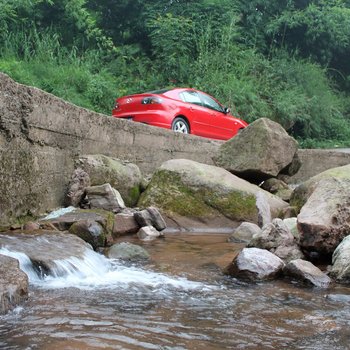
(42, 135)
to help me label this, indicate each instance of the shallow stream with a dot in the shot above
(179, 301)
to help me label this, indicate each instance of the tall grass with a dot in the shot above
(40, 60)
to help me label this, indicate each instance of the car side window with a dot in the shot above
(210, 103)
(191, 97)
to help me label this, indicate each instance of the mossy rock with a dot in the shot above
(199, 191)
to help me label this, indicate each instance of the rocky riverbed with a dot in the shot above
(114, 217)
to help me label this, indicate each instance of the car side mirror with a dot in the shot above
(227, 110)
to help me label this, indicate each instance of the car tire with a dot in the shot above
(180, 125)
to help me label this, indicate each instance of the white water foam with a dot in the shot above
(96, 271)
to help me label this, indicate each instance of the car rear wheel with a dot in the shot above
(180, 125)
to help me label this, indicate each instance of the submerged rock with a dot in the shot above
(184, 188)
(255, 264)
(13, 284)
(127, 251)
(260, 151)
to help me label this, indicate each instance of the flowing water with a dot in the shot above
(181, 300)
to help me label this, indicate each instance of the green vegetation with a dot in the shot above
(286, 60)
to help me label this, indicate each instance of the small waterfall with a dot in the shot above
(96, 271)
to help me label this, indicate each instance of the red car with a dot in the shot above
(184, 110)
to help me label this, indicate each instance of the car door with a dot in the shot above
(198, 115)
(215, 122)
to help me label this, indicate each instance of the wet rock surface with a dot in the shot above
(255, 264)
(44, 248)
(308, 273)
(13, 284)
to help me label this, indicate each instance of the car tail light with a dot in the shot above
(151, 100)
(116, 106)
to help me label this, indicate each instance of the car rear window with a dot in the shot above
(158, 92)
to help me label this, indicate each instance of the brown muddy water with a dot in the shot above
(181, 300)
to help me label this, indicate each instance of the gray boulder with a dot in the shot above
(277, 238)
(183, 188)
(150, 217)
(255, 264)
(340, 268)
(104, 197)
(244, 232)
(324, 220)
(122, 175)
(124, 224)
(148, 233)
(262, 150)
(127, 251)
(13, 284)
(90, 231)
(308, 273)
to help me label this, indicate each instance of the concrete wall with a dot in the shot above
(315, 161)
(42, 135)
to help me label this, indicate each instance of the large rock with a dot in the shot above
(124, 224)
(340, 269)
(325, 218)
(308, 273)
(90, 231)
(255, 264)
(277, 238)
(45, 249)
(13, 284)
(104, 197)
(183, 188)
(260, 151)
(124, 176)
(150, 217)
(304, 190)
